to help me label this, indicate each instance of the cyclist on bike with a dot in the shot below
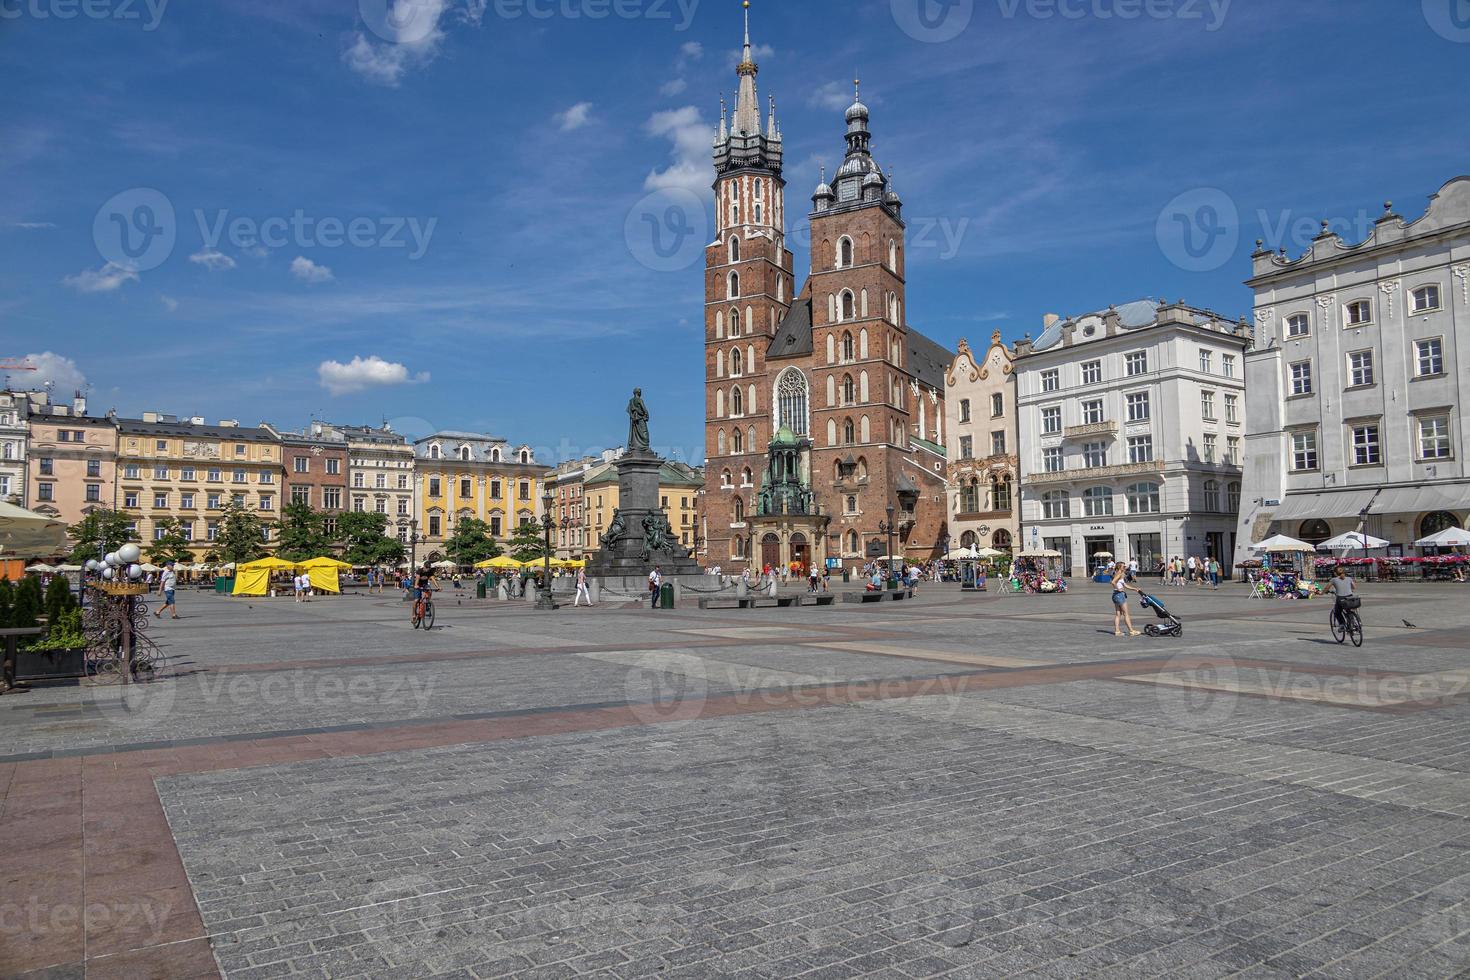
(1342, 587)
(424, 585)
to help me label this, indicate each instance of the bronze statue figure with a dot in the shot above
(615, 530)
(637, 423)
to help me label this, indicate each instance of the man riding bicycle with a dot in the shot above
(424, 585)
(1345, 603)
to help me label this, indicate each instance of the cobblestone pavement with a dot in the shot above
(955, 785)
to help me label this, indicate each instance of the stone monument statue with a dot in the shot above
(637, 424)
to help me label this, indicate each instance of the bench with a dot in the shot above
(747, 603)
(783, 601)
(895, 595)
(824, 599)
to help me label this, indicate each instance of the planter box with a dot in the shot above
(38, 665)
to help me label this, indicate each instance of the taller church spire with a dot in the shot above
(747, 104)
(744, 145)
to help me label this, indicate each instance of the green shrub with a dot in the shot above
(65, 633)
(26, 605)
(58, 598)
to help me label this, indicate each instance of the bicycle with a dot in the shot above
(423, 610)
(1345, 622)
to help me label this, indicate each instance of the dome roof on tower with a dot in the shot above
(874, 179)
(857, 111)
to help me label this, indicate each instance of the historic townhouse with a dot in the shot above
(980, 407)
(823, 408)
(379, 473)
(190, 472)
(678, 487)
(15, 410)
(468, 474)
(315, 464)
(1132, 423)
(574, 538)
(71, 461)
(1355, 419)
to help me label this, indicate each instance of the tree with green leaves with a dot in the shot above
(26, 604)
(528, 543)
(169, 543)
(472, 542)
(58, 598)
(99, 533)
(302, 533)
(241, 535)
(366, 541)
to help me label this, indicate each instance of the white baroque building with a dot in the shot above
(1356, 384)
(1132, 423)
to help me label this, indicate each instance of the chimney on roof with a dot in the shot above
(1048, 320)
(79, 404)
(229, 423)
(196, 420)
(151, 417)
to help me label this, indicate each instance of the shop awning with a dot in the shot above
(1414, 500)
(1391, 500)
(1338, 503)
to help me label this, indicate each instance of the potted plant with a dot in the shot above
(61, 652)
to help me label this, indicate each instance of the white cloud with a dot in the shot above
(33, 225)
(690, 51)
(169, 303)
(103, 280)
(308, 271)
(213, 260)
(673, 86)
(60, 371)
(758, 53)
(362, 373)
(836, 96)
(575, 117)
(403, 34)
(691, 137)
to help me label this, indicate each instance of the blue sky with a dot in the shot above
(491, 163)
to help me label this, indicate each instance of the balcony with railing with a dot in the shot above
(1153, 467)
(1109, 428)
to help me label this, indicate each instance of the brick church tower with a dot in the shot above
(823, 408)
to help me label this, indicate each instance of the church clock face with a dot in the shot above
(847, 190)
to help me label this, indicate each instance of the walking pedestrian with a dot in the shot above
(306, 586)
(166, 583)
(655, 582)
(1121, 615)
(1215, 574)
(582, 592)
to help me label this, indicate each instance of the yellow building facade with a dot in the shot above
(189, 471)
(679, 489)
(465, 474)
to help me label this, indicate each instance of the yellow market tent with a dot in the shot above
(324, 573)
(501, 561)
(254, 578)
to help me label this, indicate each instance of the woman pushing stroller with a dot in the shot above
(1121, 615)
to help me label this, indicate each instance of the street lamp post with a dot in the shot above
(548, 524)
(413, 544)
(887, 527)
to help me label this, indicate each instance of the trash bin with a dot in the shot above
(480, 589)
(847, 575)
(666, 596)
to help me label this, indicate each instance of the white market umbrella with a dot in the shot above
(1102, 554)
(988, 553)
(1450, 537)
(148, 566)
(26, 534)
(1352, 541)
(41, 568)
(959, 554)
(1280, 543)
(446, 563)
(68, 568)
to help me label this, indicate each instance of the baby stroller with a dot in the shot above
(1170, 625)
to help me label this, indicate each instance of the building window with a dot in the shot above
(301, 495)
(791, 400)
(1360, 368)
(160, 445)
(1365, 446)
(1143, 498)
(403, 481)
(267, 501)
(1138, 409)
(433, 525)
(1206, 361)
(1232, 410)
(267, 477)
(358, 482)
(1232, 498)
(1056, 505)
(1000, 493)
(94, 491)
(466, 488)
(1434, 437)
(524, 490)
(1207, 405)
(1092, 373)
(1424, 299)
(131, 471)
(1232, 450)
(1297, 325)
(434, 490)
(299, 464)
(1211, 442)
(1052, 460)
(1140, 449)
(130, 499)
(1227, 365)
(1212, 496)
(160, 501)
(381, 481)
(334, 467)
(495, 492)
(964, 409)
(1135, 363)
(1304, 451)
(1357, 313)
(1429, 357)
(402, 506)
(495, 525)
(237, 499)
(239, 476)
(967, 447)
(1094, 454)
(1092, 412)
(160, 472)
(213, 501)
(45, 491)
(1051, 420)
(1301, 378)
(48, 467)
(1051, 379)
(998, 443)
(997, 405)
(1097, 502)
(332, 498)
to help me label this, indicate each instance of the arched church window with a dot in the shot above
(737, 360)
(734, 248)
(848, 310)
(844, 252)
(737, 442)
(849, 433)
(849, 390)
(737, 401)
(733, 291)
(791, 400)
(846, 347)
